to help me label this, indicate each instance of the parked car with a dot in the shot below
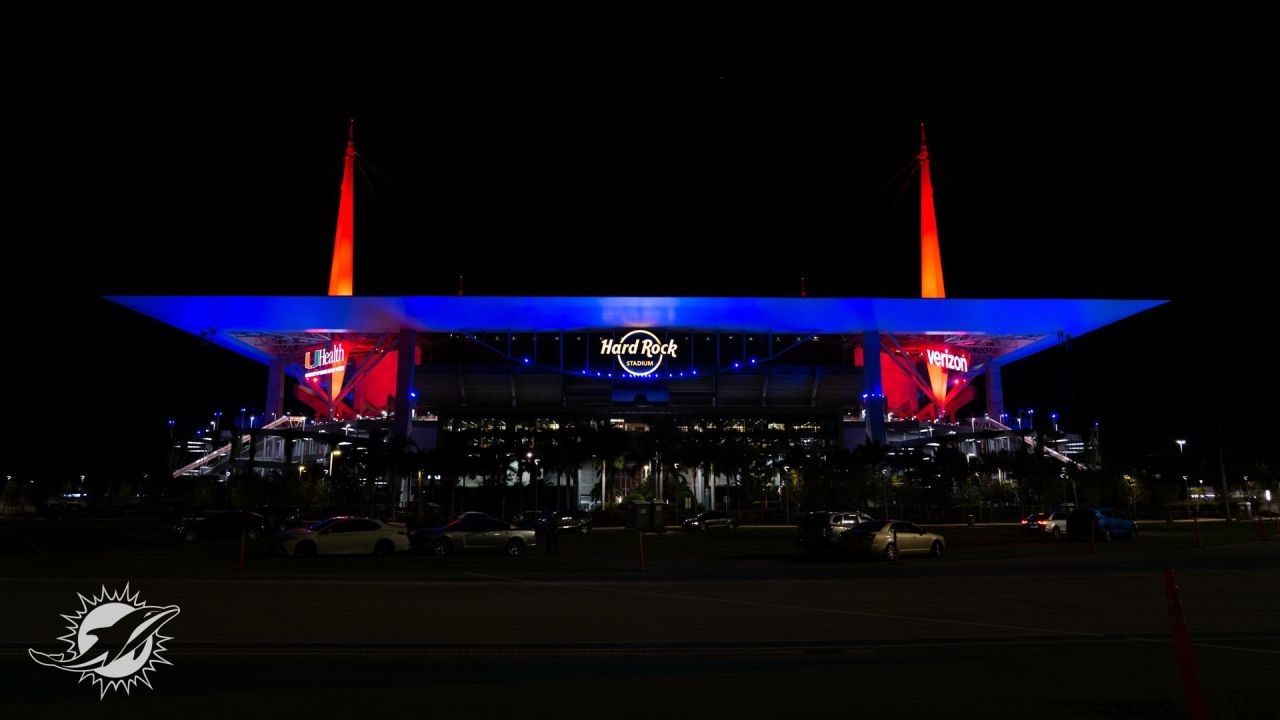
(1035, 524)
(281, 517)
(880, 537)
(574, 519)
(1107, 523)
(342, 536)
(473, 532)
(222, 525)
(821, 530)
(709, 520)
(1058, 523)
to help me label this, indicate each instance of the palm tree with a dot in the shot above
(611, 447)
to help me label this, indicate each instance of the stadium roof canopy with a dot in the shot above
(231, 321)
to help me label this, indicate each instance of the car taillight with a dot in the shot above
(1024, 521)
(1043, 523)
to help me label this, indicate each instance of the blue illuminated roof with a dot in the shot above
(229, 315)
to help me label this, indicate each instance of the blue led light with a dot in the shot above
(1042, 318)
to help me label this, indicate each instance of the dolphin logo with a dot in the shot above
(114, 641)
(127, 639)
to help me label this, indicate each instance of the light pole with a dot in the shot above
(1181, 461)
(885, 472)
(1195, 519)
(675, 468)
(533, 481)
(335, 451)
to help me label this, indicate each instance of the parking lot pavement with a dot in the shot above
(743, 612)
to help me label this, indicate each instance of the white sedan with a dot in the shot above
(343, 536)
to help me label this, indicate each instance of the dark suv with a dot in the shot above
(575, 520)
(223, 525)
(708, 520)
(1107, 523)
(820, 530)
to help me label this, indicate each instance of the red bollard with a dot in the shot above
(1196, 520)
(1182, 644)
(242, 534)
(1262, 529)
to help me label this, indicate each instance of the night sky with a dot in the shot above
(1138, 180)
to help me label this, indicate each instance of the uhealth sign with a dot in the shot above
(326, 360)
(639, 352)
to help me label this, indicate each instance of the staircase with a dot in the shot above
(220, 456)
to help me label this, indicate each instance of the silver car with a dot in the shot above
(822, 529)
(881, 537)
(472, 532)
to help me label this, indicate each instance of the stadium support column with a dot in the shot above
(872, 388)
(275, 390)
(405, 348)
(995, 392)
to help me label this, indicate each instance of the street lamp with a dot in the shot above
(1182, 453)
(335, 452)
(885, 473)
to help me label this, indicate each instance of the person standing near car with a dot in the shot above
(551, 534)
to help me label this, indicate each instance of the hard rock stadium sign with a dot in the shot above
(639, 352)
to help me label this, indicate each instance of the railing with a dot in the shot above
(225, 450)
(987, 423)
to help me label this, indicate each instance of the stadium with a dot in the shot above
(679, 398)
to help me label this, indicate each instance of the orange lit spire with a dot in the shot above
(343, 269)
(931, 285)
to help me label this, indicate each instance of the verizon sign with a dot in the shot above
(947, 360)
